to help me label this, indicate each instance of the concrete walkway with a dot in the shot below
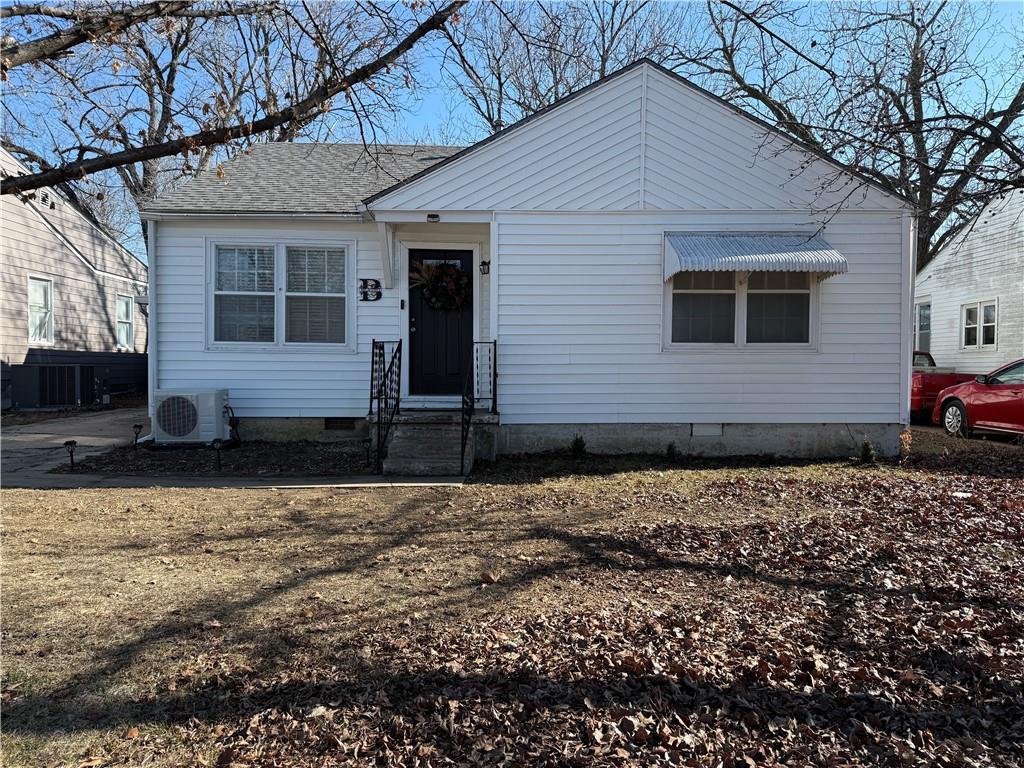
(28, 452)
(33, 449)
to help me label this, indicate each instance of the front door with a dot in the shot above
(440, 334)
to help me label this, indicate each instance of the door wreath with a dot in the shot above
(445, 287)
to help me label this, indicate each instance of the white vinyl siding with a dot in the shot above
(984, 264)
(582, 327)
(40, 310)
(125, 311)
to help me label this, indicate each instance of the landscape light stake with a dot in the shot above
(217, 445)
(70, 445)
(137, 429)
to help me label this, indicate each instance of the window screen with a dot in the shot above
(778, 308)
(704, 308)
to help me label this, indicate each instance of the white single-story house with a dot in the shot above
(969, 299)
(640, 264)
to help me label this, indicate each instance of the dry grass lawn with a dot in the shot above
(177, 627)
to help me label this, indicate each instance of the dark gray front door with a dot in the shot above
(440, 341)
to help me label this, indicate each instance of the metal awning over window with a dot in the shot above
(750, 251)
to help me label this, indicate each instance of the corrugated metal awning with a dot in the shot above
(750, 251)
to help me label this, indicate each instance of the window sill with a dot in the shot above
(340, 349)
(742, 348)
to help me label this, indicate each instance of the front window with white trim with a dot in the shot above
(243, 298)
(283, 295)
(978, 322)
(741, 308)
(315, 298)
(40, 310)
(125, 321)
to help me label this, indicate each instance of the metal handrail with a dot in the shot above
(468, 407)
(486, 351)
(385, 394)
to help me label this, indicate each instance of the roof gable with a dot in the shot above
(70, 231)
(642, 137)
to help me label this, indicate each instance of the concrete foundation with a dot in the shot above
(289, 429)
(790, 440)
(492, 439)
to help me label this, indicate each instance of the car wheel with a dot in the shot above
(954, 419)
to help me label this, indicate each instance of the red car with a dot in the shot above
(990, 403)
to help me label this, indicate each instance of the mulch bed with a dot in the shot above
(249, 459)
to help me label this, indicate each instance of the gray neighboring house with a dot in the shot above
(969, 299)
(72, 323)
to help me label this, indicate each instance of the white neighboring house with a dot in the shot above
(969, 299)
(648, 264)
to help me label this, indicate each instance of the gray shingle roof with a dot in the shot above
(300, 178)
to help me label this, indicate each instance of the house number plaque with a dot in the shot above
(369, 289)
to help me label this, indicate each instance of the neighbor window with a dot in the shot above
(243, 300)
(979, 324)
(40, 310)
(315, 295)
(704, 308)
(923, 327)
(778, 308)
(125, 321)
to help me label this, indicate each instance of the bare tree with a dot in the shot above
(185, 85)
(907, 93)
(511, 59)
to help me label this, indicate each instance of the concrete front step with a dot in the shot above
(427, 444)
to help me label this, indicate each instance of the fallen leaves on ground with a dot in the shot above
(888, 631)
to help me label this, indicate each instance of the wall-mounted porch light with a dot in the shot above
(485, 267)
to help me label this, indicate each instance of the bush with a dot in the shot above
(868, 455)
(578, 447)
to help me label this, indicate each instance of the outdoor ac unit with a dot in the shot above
(195, 416)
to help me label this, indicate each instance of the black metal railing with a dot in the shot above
(468, 407)
(485, 373)
(481, 385)
(385, 394)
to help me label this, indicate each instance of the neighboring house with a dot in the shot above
(969, 299)
(72, 331)
(649, 264)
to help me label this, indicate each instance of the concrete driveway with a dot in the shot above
(30, 450)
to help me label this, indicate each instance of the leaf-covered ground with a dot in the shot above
(555, 612)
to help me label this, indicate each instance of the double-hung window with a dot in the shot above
(125, 321)
(923, 327)
(778, 308)
(280, 294)
(244, 297)
(704, 308)
(40, 310)
(315, 299)
(978, 324)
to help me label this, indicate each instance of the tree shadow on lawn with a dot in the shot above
(292, 673)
